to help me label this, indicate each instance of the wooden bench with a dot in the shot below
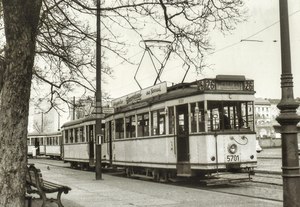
(36, 184)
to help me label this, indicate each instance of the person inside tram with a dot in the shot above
(241, 122)
(226, 121)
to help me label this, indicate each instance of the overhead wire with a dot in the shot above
(228, 46)
(247, 38)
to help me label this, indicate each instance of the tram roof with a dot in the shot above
(36, 134)
(79, 121)
(221, 84)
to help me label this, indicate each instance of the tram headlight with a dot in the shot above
(232, 148)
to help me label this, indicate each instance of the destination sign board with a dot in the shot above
(226, 85)
(140, 95)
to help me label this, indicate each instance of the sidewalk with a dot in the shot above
(124, 192)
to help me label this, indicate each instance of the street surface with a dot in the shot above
(115, 189)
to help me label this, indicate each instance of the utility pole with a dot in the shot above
(42, 122)
(98, 96)
(74, 108)
(288, 118)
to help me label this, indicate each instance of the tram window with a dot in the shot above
(28, 141)
(197, 117)
(193, 118)
(158, 122)
(229, 115)
(201, 117)
(143, 125)
(154, 125)
(171, 120)
(130, 126)
(162, 121)
(76, 135)
(81, 135)
(71, 136)
(119, 128)
(41, 141)
(66, 136)
(90, 133)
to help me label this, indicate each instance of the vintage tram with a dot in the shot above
(79, 145)
(188, 129)
(48, 144)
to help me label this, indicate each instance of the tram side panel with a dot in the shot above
(145, 152)
(78, 152)
(29, 150)
(53, 150)
(42, 149)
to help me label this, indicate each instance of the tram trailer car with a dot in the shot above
(190, 129)
(35, 140)
(79, 143)
(54, 145)
(49, 144)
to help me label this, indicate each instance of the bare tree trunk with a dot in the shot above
(21, 20)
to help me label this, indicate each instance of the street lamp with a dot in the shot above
(288, 118)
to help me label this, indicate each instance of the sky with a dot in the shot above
(258, 60)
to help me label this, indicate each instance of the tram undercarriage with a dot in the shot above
(207, 177)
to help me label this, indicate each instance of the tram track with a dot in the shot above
(255, 189)
(274, 180)
(237, 194)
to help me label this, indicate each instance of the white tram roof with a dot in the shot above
(79, 121)
(222, 84)
(44, 134)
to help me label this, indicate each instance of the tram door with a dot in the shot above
(91, 144)
(182, 133)
(109, 135)
(183, 149)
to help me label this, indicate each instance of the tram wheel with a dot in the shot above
(128, 172)
(155, 175)
(73, 165)
(164, 177)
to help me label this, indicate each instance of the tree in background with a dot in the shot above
(43, 124)
(53, 41)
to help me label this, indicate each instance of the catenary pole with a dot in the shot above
(98, 96)
(288, 118)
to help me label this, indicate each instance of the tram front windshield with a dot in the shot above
(230, 115)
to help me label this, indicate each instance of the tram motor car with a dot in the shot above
(188, 129)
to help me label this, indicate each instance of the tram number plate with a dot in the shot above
(233, 158)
